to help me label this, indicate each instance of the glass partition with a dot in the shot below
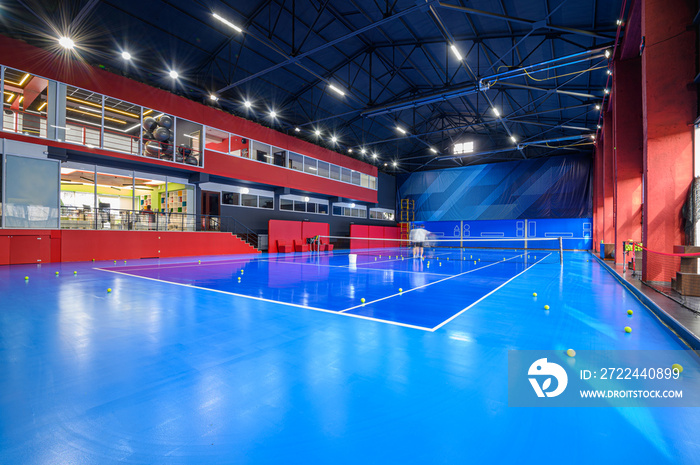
(261, 152)
(356, 178)
(345, 175)
(323, 169)
(177, 200)
(217, 140)
(25, 101)
(364, 180)
(122, 126)
(188, 139)
(77, 196)
(286, 204)
(84, 117)
(265, 201)
(310, 165)
(240, 146)
(115, 199)
(373, 183)
(231, 198)
(335, 172)
(31, 190)
(157, 135)
(147, 188)
(296, 161)
(279, 156)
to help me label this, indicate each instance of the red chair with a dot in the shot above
(300, 246)
(325, 245)
(283, 247)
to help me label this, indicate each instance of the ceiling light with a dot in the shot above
(495, 111)
(394, 163)
(244, 190)
(618, 22)
(273, 114)
(607, 91)
(363, 151)
(67, 170)
(599, 126)
(306, 199)
(453, 47)
(609, 72)
(66, 42)
(386, 164)
(433, 150)
(352, 205)
(317, 132)
(349, 150)
(401, 130)
(41, 107)
(228, 23)
(213, 97)
(173, 74)
(297, 130)
(597, 107)
(374, 155)
(247, 104)
(607, 54)
(513, 139)
(126, 55)
(334, 139)
(336, 90)
(593, 136)
(24, 78)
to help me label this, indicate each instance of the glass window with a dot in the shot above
(122, 126)
(323, 169)
(114, 193)
(230, 198)
(345, 175)
(311, 207)
(84, 117)
(373, 183)
(217, 140)
(286, 204)
(261, 152)
(364, 180)
(240, 146)
(310, 165)
(337, 210)
(279, 156)
(335, 172)
(176, 212)
(188, 139)
(149, 202)
(266, 202)
(249, 200)
(296, 161)
(299, 206)
(31, 189)
(356, 178)
(158, 140)
(77, 196)
(322, 208)
(25, 103)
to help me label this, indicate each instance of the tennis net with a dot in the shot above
(547, 250)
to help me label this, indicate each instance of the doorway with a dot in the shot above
(211, 211)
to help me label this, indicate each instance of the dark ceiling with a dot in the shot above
(540, 63)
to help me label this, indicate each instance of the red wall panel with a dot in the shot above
(391, 232)
(279, 230)
(30, 249)
(309, 229)
(4, 250)
(375, 232)
(358, 230)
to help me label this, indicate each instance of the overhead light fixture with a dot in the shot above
(401, 130)
(433, 150)
(454, 49)
(247, 104)
(593, 136)
(317, 132)
(374, 155)
(66, 43)
(349, 150)
(363, 151)
(24, 78)
(394, 163)
(513, 139)
(126, 55)
(297, 129)
(496, 112)
(609, 72)
(598, 126)
(10, 98)
(334, 139)
(352, 205)
(306, 199)
(336, 90)
(228, 23)
(597, 107)
(618, 22)
(213, 97)
(607, 91)
(386, 164)
(273, 114)
(607, 54)
(42, 106)
(244, 190)
(173, 74)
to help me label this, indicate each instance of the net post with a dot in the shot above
(561, 251)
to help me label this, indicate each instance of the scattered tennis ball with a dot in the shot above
(115, 262)
(546, 307)
(380, 256)
(629, 312)
(93, 259)
(26, 278)
(534, 294)
(109, 289)
(571, 352)
(678, 367)
(628, 329)
(57, 273)
(199, 261)
(448, 258)
(75, 272)
(125, 262)
(241, 271)
(239, 279)
(362, 300)
(475, 262)
(375, 259)
(440, 263)
(400, 290)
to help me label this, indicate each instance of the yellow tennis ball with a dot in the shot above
(362, 300)
(571, 352)
(125, 262)
(26, 278)
(75, 272)
(534, 294)
(546, 307)
(678, 367)
(628, 329)
(109, 289)
(57, 273)
(400, 290)
(629, 312)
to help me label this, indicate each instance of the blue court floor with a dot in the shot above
(182, 362)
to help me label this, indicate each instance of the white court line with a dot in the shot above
(477, 301)
(426, 285)
(362, 317)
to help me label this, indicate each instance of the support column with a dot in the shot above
(608, 179)
(628, 152)
(597, 196)
(669, 109)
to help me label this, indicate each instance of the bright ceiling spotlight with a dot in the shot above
(273, 114)
(317, 132)
(334, 139)
(607, 91)
(401, 130)
(213, 97)
(297, 129)
(174, 74)
(336, 90)
(66, 43)
(496, 112)
(349, 150)
(306, 199)
(597, 107)
(228, 23)
(433, 150)
(454, 49)
(609, 72)
(598, 126)
(607, 54)
(247, 104)
(618, 22)
(374, 155)
(126, 55)
(352, 205)
(363, 151)
(513, 139)
(394, 164)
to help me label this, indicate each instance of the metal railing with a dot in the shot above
(146, 220)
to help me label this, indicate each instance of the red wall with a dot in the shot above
(290, 231)
(43, 246)
(25, 57)
(377, 232)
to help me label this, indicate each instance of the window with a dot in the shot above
(266, 202)
(299, 206)
(373, 183)
(323, 169)
(464, 147)
(240, 146)
(157, 135)
(84, 118)
(217, 140)
(335, 172)
(35, 206)
(296, 161)
(349, 209)
(279, 156)
(261, 152)
(188, 142)
(286, 204)
(310, 165)
(118, 136)
(381, 214)
(345, 175)
(249, 200)
(356, 178)
(26, 112)
(364, 180)
(303, 204)
(230, 198)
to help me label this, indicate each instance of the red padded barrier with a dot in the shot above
(391, 232)
(279, 230)
(375, 232)
(359, 230)
(4, 250)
